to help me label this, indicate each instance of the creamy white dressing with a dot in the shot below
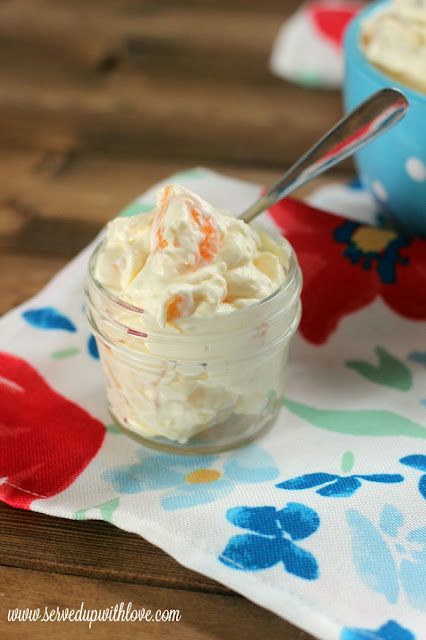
(395, 41)
(186, 263)
(187, 259)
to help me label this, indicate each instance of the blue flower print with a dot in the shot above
(355, 184)
(386, 259)
(418, 356)
(48, 318)
(334, 486)
(272, 539)
(389, 631)
(417, 462)
(188, 481)
(92, 347)
(385, 560)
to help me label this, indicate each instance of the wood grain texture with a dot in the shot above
(205, 39)
(160, 80)
(23, 276)
(203, 616)
(55, 203)
(176, 118)
(42, 194)
(156, 39)
(98, 101)
(91, 549)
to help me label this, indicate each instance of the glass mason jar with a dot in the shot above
(216, 385)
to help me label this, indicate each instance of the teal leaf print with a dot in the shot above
(106, 508)
(134, 208)
(113, 428)
(389, 372)
(310, 78)
(358, 422)
(347, 463)
(65, 353)
(190, 174)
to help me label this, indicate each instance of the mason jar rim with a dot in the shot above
(251, 309)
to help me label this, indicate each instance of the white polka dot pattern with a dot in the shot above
(416, 169)
(379, 190)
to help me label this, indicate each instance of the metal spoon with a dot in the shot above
(372, 117)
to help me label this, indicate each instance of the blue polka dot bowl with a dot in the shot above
(393, 167)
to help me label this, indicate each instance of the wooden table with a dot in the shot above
(98, 100)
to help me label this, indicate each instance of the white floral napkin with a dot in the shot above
(323, 520)
(308, 47)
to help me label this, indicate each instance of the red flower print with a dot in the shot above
(347, 264)
(45, 440)
(331, 19)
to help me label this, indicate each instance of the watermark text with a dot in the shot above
(116, 613)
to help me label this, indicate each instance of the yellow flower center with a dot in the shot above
(372, 240)
(202, 475)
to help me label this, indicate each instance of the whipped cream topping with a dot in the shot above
(187, 364)
(394, 40)
(186, 259)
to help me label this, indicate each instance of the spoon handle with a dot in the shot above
(372, 117)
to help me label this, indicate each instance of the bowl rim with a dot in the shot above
(351, 43)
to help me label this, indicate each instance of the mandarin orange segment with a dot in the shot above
(159, 232)
(161, 241)
(210, 245)
(166, 194)
(174, 309)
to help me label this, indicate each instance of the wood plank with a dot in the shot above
(203, 616)
(144, 6)
(56, 203)
(96, 187)
(166, 84)
(84, 549)
(157, 39)
(173, 118)
(80, 33)
(34, 32)
(22, 276)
